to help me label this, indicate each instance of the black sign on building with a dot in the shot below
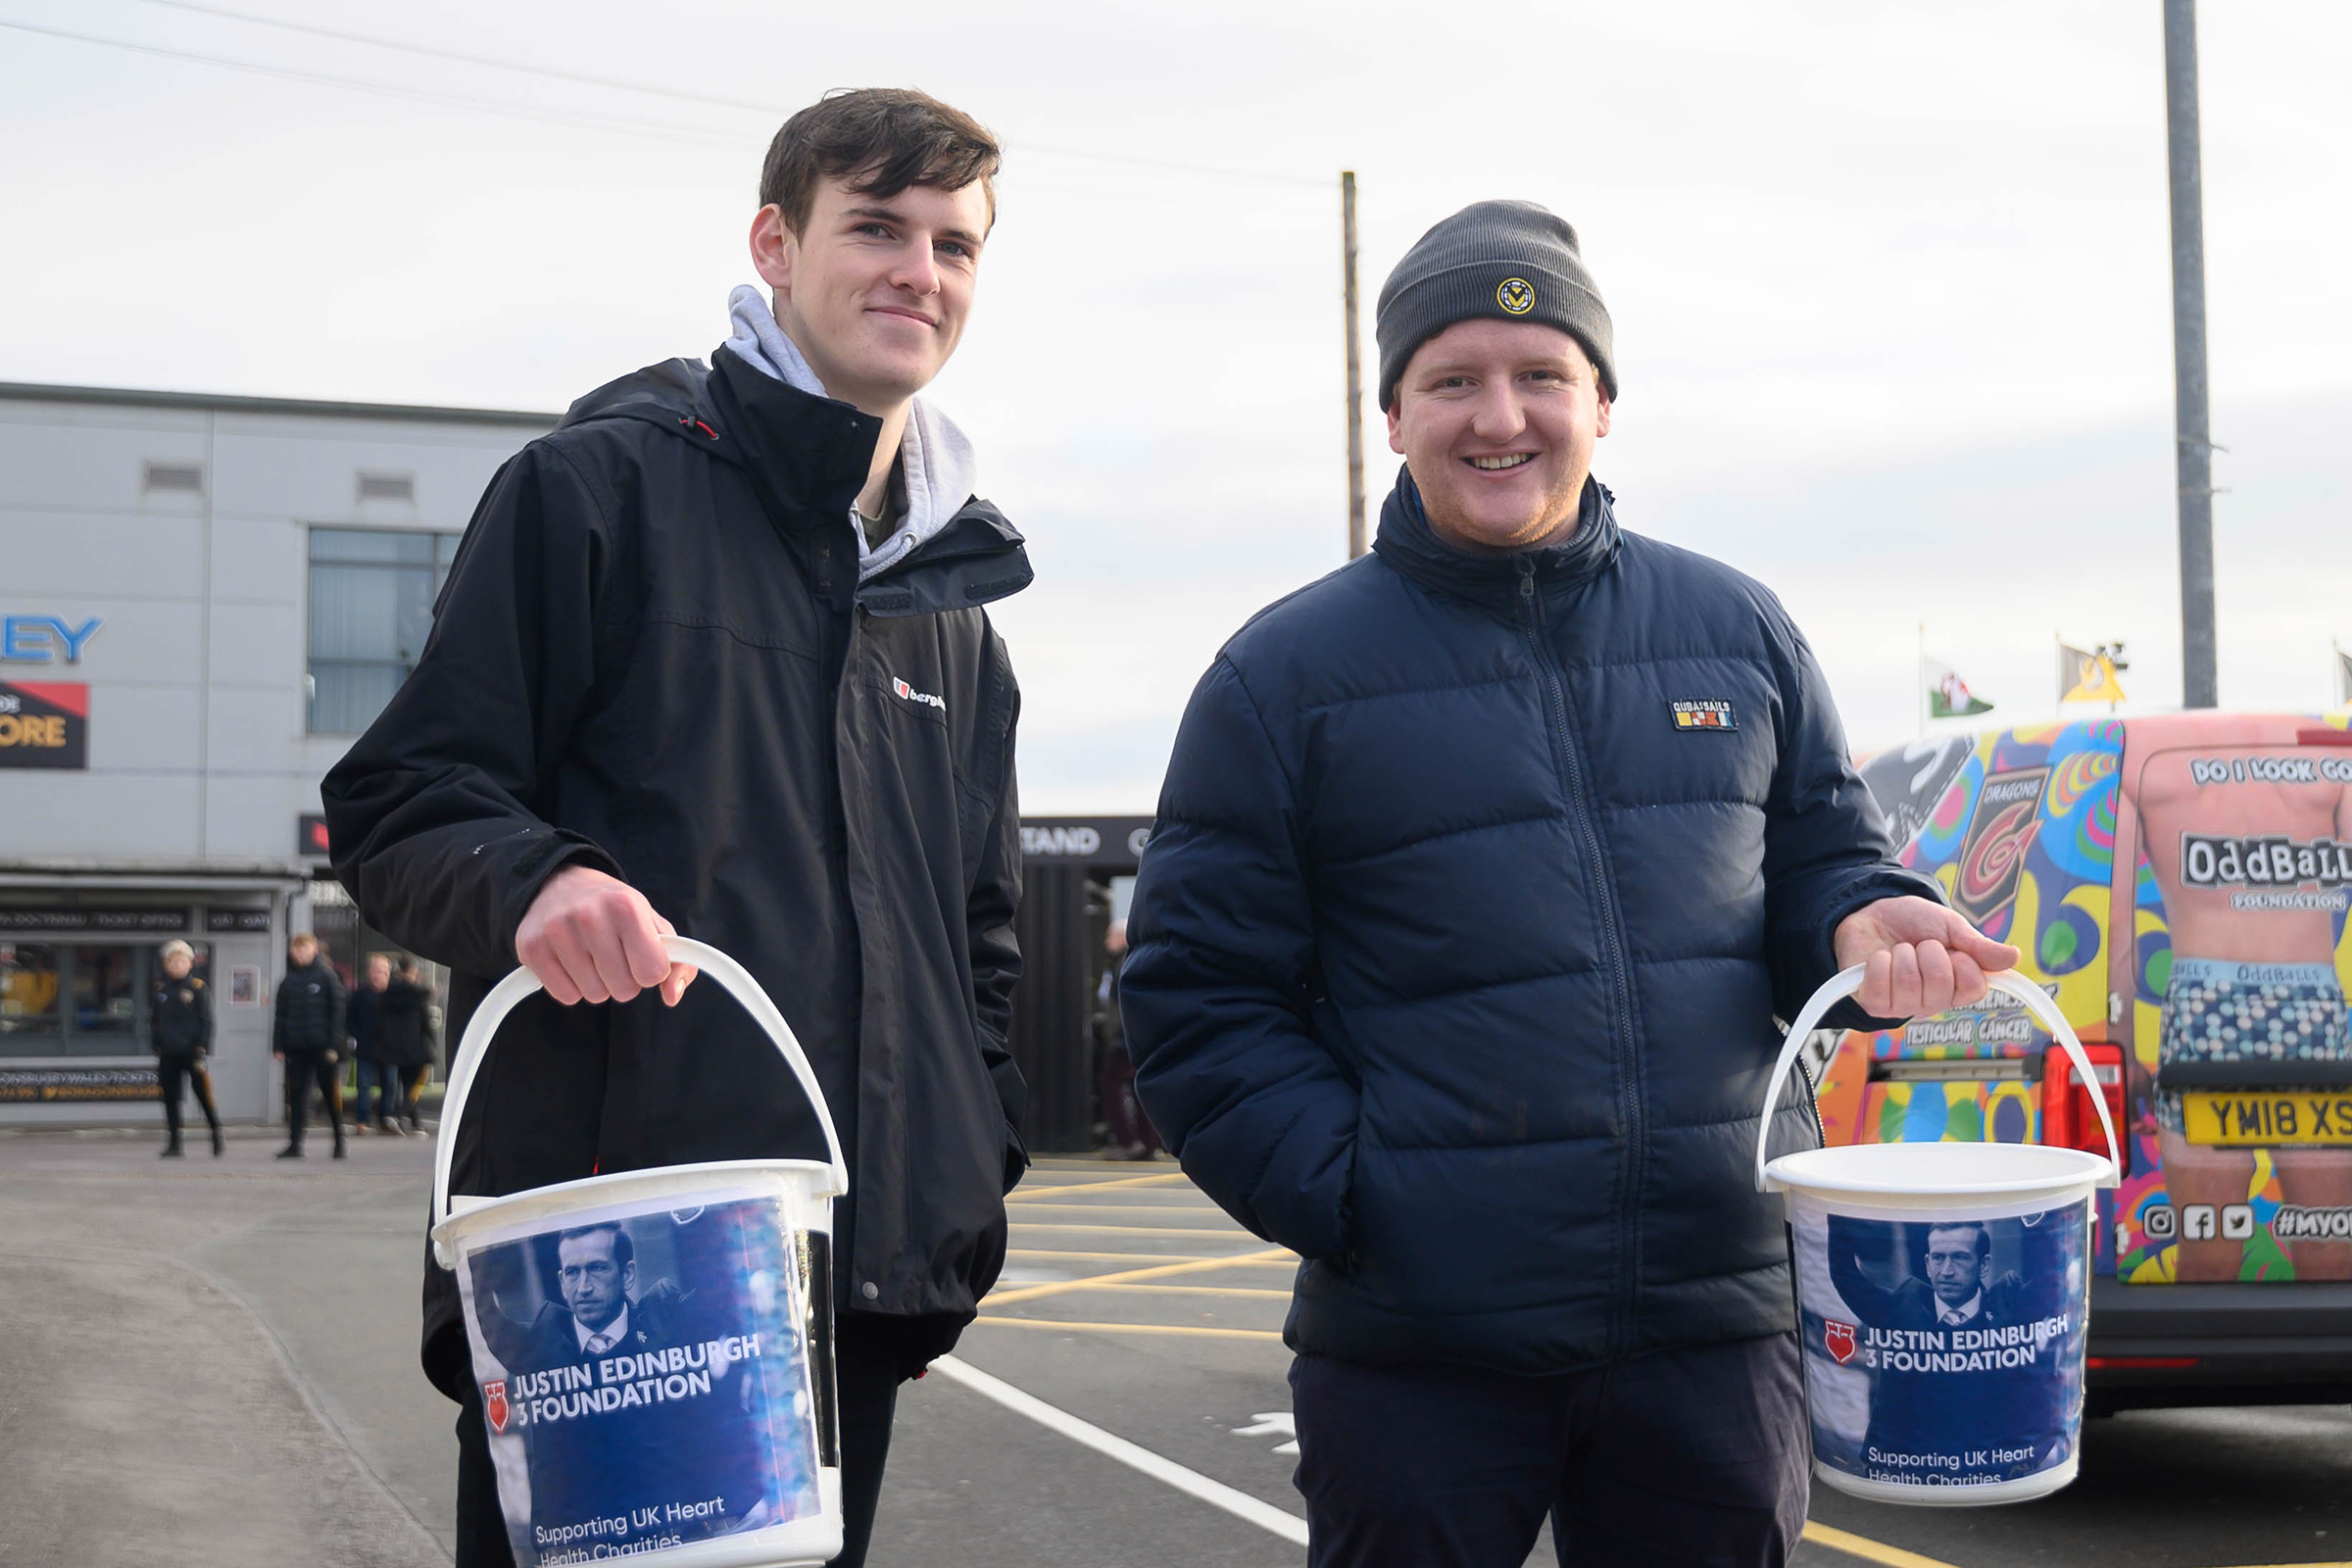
(1067, 864)
(44, 724)
(136, 921)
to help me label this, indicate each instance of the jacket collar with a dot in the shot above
(1491, 581)
(807, 458)
(815, 451)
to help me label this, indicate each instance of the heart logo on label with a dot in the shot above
(1839, 1337)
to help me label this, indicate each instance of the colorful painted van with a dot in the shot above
(2179, 884)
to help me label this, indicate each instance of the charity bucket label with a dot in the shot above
(646, 1377)
(1943, 1353)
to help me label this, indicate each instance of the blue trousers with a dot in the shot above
(379, 1092)
(1681, 1457)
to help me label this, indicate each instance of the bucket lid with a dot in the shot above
(1941, 1170)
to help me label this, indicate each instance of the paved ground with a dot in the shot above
(210, 1363)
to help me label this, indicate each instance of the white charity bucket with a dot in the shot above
(655, 1348)
(1941, 1291)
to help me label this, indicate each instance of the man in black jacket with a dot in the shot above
(1481, 869)
(179, 1024)
(375, 1083)
(306, 1033)
(713, 659)
(407, 1045)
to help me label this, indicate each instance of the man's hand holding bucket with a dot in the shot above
(590, 937)
(1919, 957)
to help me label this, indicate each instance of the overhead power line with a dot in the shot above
(681, 95)
(642, 127)
(428, 52)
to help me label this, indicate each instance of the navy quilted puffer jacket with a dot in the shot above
(1459, 939)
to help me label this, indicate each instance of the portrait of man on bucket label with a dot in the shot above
(646, 1379)
(1944, 1352)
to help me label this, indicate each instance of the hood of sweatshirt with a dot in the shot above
(936, 457)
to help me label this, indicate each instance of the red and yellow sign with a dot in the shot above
(44, 724)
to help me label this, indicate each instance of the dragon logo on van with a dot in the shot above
(1993, 859)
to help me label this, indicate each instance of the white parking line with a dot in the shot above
(1242, 1505)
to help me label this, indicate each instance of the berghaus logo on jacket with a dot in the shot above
(911, 695)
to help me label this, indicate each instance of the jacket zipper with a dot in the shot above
(1612, 934)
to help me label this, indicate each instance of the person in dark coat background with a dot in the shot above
(179, 1025)
(1132, 1135)
(307, 1033)
(714, 658)
(408, 1043)
(377, 1082)
(1481, 869)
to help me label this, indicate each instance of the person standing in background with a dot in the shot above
(375, 1091)
(179, 1022)
(408, 1045)
(1130, 1130)
(306, 1035)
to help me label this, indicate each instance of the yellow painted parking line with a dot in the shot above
(1261, 1334)
(1867, 1549)
(1286, 1260)
(2338, 1564)
(1055, 1251)
(1187, 1290)
(1232, 1233)
(1018, 1195)
(1198, 1209)
(1194, 1265)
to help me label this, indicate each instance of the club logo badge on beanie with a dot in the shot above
(1499, 260)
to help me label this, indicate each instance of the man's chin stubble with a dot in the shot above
(1553, 525)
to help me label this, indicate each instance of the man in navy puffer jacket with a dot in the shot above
(1481, 868)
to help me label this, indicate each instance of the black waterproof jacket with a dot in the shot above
(653, 658)
(308, 1014)
(180, 1017)
(402, 1038)
(1457, 944)
(364, 1019)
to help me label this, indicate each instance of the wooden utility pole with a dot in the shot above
(1355, 375)
(2192, 433)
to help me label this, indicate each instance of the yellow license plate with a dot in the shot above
(2292, 1118)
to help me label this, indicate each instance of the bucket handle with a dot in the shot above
(502, 1000)
(2037, 1001)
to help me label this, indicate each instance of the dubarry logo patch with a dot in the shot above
(1516, 295)
(1704, 712)
(913, 696)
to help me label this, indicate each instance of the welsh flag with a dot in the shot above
(1948, 696)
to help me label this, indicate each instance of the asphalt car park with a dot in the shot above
(241, 1334)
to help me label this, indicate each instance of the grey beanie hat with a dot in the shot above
(1512, 260)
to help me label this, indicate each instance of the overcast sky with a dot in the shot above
(1890, 283)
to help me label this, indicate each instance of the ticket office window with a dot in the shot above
(74, 999)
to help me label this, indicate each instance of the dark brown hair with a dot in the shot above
(881, 140)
